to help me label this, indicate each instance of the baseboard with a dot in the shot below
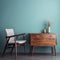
(33, 53)
(41, 53)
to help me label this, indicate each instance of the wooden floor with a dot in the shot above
(30, 57)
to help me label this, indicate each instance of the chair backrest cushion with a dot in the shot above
(10, 32)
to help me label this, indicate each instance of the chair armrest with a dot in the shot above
(23, 34)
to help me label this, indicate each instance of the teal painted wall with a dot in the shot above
(29, 16)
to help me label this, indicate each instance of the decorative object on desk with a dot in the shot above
(44, 30)
(48, 26)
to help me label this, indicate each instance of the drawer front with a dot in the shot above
(41, 36)
(43, 43)
(43, 39)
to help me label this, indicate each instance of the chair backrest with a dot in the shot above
(10, 32)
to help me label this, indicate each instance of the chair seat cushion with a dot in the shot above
(20, 41)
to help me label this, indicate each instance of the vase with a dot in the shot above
(49, 29)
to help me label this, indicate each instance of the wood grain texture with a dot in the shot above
(43, 39)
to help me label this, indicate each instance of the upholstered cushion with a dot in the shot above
(18, 41)
(9, 33)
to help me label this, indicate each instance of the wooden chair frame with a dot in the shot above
(14, 44)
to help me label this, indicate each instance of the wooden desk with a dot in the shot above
(49, 40)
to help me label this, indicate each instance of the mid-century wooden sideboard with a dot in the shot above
(43, 39)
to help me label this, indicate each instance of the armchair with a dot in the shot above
(13, 42)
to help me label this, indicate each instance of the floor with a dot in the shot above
(29, 57)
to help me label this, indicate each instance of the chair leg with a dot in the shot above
(12, 49)
(4, 50)
(16, 51)
(24, 48)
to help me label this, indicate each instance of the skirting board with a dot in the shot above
(42, 53)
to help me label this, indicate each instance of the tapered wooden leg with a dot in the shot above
(24, 48)
(16, 50)
(54, 51)
(32, 51)
(31, 47)
(12, 49)
(4, 50)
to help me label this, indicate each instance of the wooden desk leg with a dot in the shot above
(54, 51)
(31, 50)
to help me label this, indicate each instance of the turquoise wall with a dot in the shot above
(29, 16)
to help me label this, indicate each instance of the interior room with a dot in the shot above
(37, 21)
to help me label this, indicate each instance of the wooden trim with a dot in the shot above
(15, 35)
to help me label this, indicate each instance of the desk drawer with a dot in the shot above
(44, 43)
(40, 36)
(43, 39)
